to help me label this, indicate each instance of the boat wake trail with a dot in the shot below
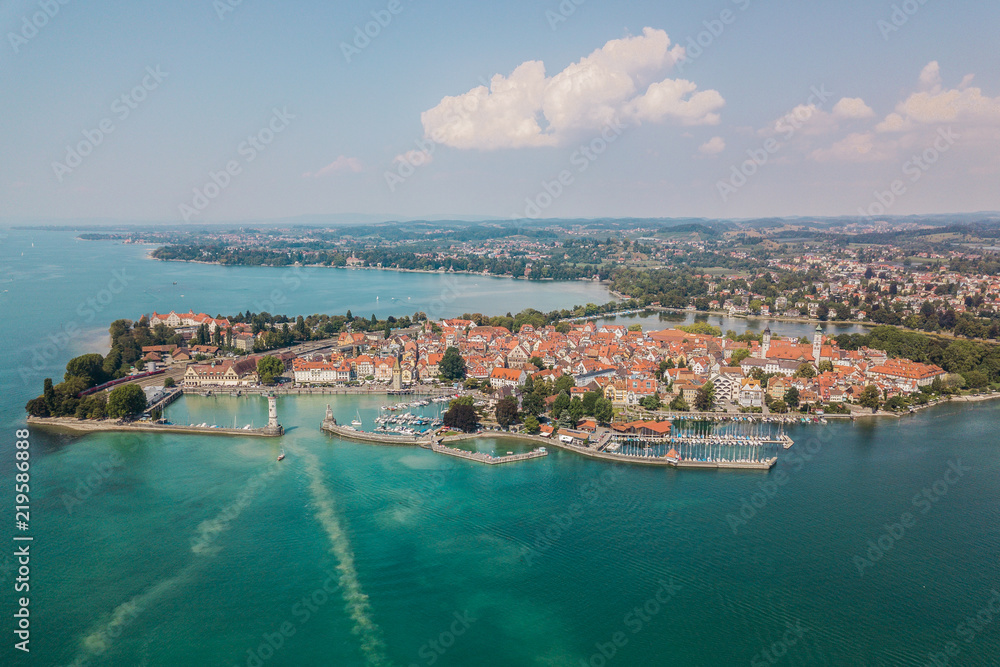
(372, 646)
(100, 639)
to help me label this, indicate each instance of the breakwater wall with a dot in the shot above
(373, 438)
(96, 426)
(488, 459)
(589, 452)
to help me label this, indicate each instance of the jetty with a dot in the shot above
(488, 459)
(104, 425)
(331, 427)
(744, 456)
(272, 430)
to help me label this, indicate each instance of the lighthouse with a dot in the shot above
(273, 427)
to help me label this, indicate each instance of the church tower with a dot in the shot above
(397, 376)
(817, 344)
(766, 344)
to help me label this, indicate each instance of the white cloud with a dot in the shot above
(676, 98)
(930, 76)
(855, 147)
(811, 120)
(934, 104)
(342, 163)
(617, 83)
(852, 108)
(713, 146)
(912, 125)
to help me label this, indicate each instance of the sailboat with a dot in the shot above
(357, 420)
(282, 454)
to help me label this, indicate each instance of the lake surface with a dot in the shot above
(198, 550)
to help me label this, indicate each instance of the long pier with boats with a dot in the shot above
(694, 445)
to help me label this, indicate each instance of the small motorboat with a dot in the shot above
(281, 455)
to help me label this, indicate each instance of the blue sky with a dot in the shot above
(257, 113)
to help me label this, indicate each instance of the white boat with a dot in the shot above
(357, 420)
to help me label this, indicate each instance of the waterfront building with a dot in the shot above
(751, 393)
(508, 377)
(228, 373)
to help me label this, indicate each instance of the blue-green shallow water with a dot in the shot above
(191, 550)
(432, 536)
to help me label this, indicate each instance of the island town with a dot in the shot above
(684, 396)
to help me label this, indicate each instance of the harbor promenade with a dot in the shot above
(594, 451)
(95, 426)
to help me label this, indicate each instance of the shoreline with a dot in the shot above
(149, 255)
(606, 283)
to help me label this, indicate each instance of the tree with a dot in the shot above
(705, 398)
(49, 395)
(651, 402)
(604, 411)
(870, 398)
(895, 404)
(826, 366)
(589, 401)
(739, 354)
(792, 397)
(90, 367)
(462, 400)
(561, 403)
(38, 407)
(268, 368)
(506, 411)
(679, 404)
(805, 370)
(565, 383)
(576, 409)
(461, 416)
(112, 363)
(532, 404)
(531, 425)
(779, 407)
(168, 383)
(452, 365)
(537, 361)
(126, 401)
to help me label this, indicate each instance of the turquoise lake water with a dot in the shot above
(197, 550)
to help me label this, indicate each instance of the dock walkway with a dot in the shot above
(488, 459)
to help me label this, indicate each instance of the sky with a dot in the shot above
(234, 110)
